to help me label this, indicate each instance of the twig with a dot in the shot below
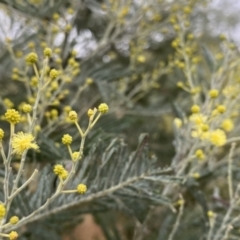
(230, 185)
(176, 225)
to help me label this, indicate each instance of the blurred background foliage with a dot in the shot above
(125, 57)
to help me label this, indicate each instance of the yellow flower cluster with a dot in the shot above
(221, 108)
(14, 220)
(227, 125)
(53, 74)
(200, 154)
(103, 108)
(76, 156)
(218, 137)
(12, 116)
(73, 116)
(66, 139)
(60, 171)
(90, 112)
(31, 58)
(23, 141)
(13, 235)
(195, 109)
(27, 108)
(47, 52)
(198, 118)
(213, 93)
(81, 188)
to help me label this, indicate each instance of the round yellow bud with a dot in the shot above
(18, 54)
(43, 44)
(76, 156)
(47, 52)
(67, 109)
(200, 154)
(89, 81)
(103, 108)
(58, 61)
(31, 58)
(221, 108)
(178, 122)
(76, 72)
(27, 108)
(34, 81)
(12, 116)
(222, 37)
(58, 169)
(181, 65)
(81, 188)
(213, 93)
(190, 36)
(196, 175)
(70, 11)
(2, 211)
(174, 44)
(195, 109)
(180, 202)
(66, 139)
(90, 112)
(1, 134)
(15, 77)
(37, 128)
(13, 235)
(14, 220)
(204, 127)
(187, 10)
(180, 84)
(55, 16)
(141, 59)
(68, 28)
(210, 214)
(227, 125)
(73, 116)
(64, 174)
(176, 27)
(54, 113)
(54, 86)
(31, 45)
(53, 74)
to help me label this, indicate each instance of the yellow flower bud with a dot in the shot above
(196, 175)
(47, 52)
(81, 188)
(31, 58)
(13, 235)
(12, 116)
(76, 156)
(27, 108)
(195, 109)
(210, 214)
(53, 74)
(221, 108)
(103, 108)
(200, 154)
(66, 139)
(90, 112)
(89, 81)
(14, 220)
(213, 93)
(73, 116)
